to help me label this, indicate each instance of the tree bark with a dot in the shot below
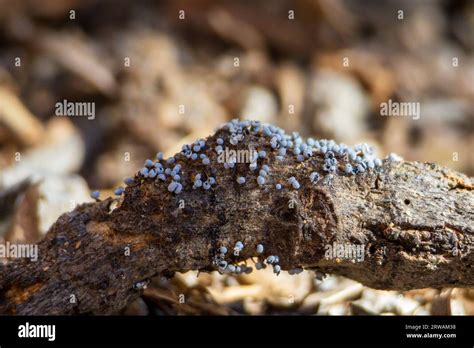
(414, 220)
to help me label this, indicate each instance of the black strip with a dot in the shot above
(259, 330)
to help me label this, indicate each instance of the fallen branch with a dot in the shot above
(414, 220)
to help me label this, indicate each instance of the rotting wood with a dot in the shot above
(414, 219)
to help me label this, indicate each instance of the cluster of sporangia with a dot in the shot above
(224, 266)
(339, 159)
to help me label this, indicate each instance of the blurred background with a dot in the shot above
(163, 73)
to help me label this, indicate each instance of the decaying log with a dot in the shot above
(415, 221)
